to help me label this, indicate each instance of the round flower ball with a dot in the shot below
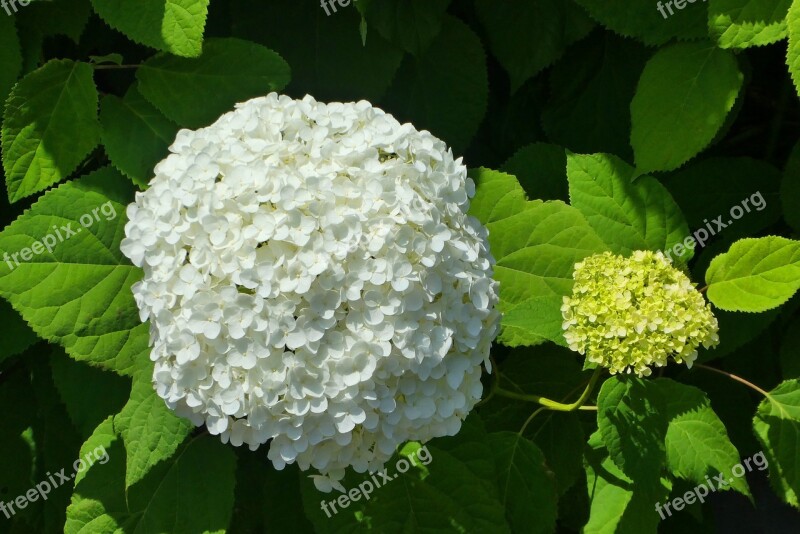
(312, 280)
(627, 314)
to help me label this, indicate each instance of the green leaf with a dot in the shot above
(777, 426)
(536, 244)
(412, 24)
(459, 492)
(194, 92)
(151, 431)
(790, 189)
(527, 37)
(537, 249)
(631, 420)
(174, 26)
(10, 56)
(697, 442)
(135, 135)
(192, 493)
(644, 21)
(745, 23)
(541, 170)
(49, 126)
(424, 91)
(330, 61)
(535, 321)
(591, 89)
(101, 438)
(685, 93)
(755, 275)
(527, 488)
(78, 294)
(627, 215)
(618, 504)
(793, 52)
(497, 195)
(87, 406)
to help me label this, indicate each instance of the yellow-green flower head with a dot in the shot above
(627, 314)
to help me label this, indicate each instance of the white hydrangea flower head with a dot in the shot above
(312, 280)
(627, 314)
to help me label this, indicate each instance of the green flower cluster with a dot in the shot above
(627, 314)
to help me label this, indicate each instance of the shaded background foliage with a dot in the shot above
(703, 101)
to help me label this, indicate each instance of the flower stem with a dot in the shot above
(114, 67)
(551, 404)
(733, 377)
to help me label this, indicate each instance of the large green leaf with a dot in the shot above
(195, 91)
(77, 293)
(745, 23)
(412, 24)
(528, 36)
(527, 488)
(534, 321)
(191, 493)
(697, 442)
(49, 126)
(151, 431)
(685, 93)
(591, 89)
(497, 196)
(627, 215)
(425, 92)
(777, 426)
(327, 55)
(135, 135)
(175, 26)
(536, 244)
(632, 422)
(618, 504)
(643, 20)
(457, 491)
(755, 275)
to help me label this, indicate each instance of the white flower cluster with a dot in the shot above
(311, 278)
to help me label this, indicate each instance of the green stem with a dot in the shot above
(114, 67)
(733, 377)
(551, 404)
